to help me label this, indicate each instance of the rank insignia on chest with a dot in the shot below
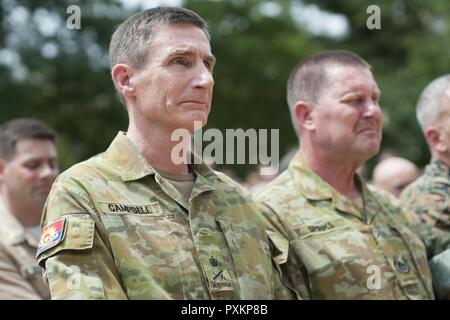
(51, 235)
(220, 280)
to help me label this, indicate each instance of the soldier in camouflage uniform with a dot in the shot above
(429, 196)
(28, 168)
(131, 223)
(337, 239)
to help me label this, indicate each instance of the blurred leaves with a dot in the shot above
(62, 76)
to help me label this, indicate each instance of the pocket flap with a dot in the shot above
(74, 232)
(280, 245)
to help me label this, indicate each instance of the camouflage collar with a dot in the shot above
(127, 160)
(132, 165)
(311, 184)
(313, 187)
(438, 168)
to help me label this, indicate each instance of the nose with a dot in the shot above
(49, 171)
(371, 109)
(203, 77)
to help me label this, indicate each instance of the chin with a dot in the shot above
(367, 151)
(194, 124)
(373, 150)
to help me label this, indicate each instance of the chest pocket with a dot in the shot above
(336, 256)
(218, 263)
(149, 254)
(411, 266)
(251, 257)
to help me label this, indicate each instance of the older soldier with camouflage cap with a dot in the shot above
(344, 241)
(429, 196)
(131, 223)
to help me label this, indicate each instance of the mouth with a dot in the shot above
(196, 104)
(367, 129)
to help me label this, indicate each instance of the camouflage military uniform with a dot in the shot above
(429, 196)
(336, 250)
(115, 229)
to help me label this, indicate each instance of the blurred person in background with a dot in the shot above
(429, 196)
(28, 167)
(393, 174)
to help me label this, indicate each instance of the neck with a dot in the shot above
(27, 215)
(156, 146)
(443, 158)
(339, 174)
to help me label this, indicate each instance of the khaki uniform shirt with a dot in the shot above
(336, 250)
(116, 229)
(20, 275)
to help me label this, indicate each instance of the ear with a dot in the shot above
(121, 75)
(2, 169)
(434, 139)
(303, 115)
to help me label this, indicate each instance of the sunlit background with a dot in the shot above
(62, 76)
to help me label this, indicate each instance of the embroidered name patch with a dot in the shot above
(320, 228)
(51, 235)
(153, 208)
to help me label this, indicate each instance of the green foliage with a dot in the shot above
(255, 49)
(409, 51)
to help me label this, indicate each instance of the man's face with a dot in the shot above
(174, 88)
(29, 175)
(347, 117)
(444, 127)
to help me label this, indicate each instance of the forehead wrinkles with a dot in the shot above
(173, 37)
(345, 79)
(35, 148)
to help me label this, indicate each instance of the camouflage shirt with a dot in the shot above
(429, 196)
(115, 229)
(337, 250)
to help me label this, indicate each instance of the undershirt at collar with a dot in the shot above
(184, 183)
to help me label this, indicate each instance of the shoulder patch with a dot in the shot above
(51, 235)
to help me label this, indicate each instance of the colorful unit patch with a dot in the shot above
(51, 235)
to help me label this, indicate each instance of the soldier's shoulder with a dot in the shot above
(390, 204)
(426, 189)
(383, 196)
(231, 183)
(411, 193)
(278, 189)
(94, 167)
(428, 182)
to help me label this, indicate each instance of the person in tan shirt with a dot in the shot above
(28, 167)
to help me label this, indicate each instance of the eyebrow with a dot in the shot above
(358, 92)
(178, 52)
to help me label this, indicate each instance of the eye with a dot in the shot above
(31, 165)
(208, 64)
(355, 100)
(181, 61)
(53, 164)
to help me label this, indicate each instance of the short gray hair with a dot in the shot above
(132, 39)
(429, 106)
(309, 77)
